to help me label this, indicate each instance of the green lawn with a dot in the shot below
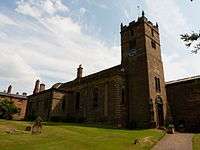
(196, 142)
(64, 136)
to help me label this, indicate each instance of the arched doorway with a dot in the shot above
(160, 114)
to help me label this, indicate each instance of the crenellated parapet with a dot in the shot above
(140, 20)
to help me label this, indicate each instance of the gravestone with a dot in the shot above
(37, 126)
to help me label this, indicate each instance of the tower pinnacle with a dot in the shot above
(143, 14)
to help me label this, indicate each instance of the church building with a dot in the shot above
(131, 94)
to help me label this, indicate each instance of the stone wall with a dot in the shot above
(40, 105)
(20, 103)
(58, 107)
(97, 100)
(184, 100)
(155, 72)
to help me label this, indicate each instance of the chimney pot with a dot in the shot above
(37, 86)
(24, 94)
(42, 87)
(79, 72)
(9, 89)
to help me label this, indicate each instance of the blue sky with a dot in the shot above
(48, 39)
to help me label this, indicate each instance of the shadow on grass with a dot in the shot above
(79, 125)
(91, 125)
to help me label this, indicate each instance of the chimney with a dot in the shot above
(79, 72)
(24, 94)
(9, 89)
(42, 87)
(37, 86)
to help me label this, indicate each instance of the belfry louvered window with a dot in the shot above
(157, 84)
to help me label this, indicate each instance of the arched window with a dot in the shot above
(153, 44)
(63, 105)
(77, 105)
(132, 33)
(152, 32)
(95, 97)
(123, 96)
(157, 84)
(160, 113)
(159, 100)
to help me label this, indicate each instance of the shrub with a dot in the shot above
(7, 109)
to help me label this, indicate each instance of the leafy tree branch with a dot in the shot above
(190, 38)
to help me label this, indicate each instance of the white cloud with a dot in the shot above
(178, 63)
(174, 66)
(171, 21)
(83, 11)
(15, 71)
(15, 66)
(4, 20)
(52, 47)
(38, 8)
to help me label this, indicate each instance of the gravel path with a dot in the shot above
(177, 141)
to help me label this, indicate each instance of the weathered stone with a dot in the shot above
(20, 102)
(37, 126)
(28, 128)
(184, 100)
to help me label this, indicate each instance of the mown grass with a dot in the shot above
(65, 136)
(196, 142)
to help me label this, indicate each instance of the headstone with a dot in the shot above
(28, 128)
(37, 126)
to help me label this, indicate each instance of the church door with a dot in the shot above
(160, 114)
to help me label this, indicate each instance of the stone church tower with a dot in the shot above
(142, 63)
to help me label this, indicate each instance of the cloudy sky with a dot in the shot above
(48, 39)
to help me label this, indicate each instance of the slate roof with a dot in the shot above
(183, 80)
(13, 95)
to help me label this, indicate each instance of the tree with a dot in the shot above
(191, 39)
(7, 109)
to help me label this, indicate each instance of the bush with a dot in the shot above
(7, 109)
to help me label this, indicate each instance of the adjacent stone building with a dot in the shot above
(130, 94)
(20, 102)
(184, 101)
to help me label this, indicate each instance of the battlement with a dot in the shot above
(140, 20)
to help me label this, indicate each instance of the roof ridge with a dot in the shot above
(184, 79)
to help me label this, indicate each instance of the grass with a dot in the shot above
(65, 136)
(196, 142)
